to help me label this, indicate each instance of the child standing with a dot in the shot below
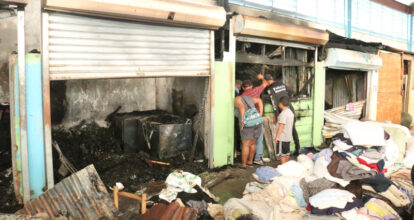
(284, 128)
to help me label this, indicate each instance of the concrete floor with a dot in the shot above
(234, 185)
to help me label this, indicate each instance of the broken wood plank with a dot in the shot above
(263, 59)
(268, 124)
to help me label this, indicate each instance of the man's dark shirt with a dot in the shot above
(276, 91)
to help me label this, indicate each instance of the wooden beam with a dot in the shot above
(305, 86)
(260, 27)
(166, 12)
(260, 59)
(395, 5)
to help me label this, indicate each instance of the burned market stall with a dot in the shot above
(351, 83)
(127, 94)
(125, 126)
(261, 48)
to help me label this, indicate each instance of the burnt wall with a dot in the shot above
(8, 44)
(94, 100)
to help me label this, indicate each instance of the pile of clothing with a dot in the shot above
(353, 179)
(185, 189)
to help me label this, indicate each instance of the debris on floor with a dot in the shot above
(99, 146)
(80, 196)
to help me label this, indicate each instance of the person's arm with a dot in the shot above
(259, 103)
(279, 131)
(239, 104)
(261, 77)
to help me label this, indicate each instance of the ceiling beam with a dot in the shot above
(395, 5)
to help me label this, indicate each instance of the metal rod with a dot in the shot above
(210, 120)
(21, 44)
(47, 122)
(16, 181)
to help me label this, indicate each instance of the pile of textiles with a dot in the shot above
(348, 180)
(184, 189)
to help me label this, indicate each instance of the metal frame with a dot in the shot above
(208, 119)
(47, 122)
(210, 107)
(21, 44)
(274, 42)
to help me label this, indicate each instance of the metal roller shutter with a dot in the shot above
(80, 47)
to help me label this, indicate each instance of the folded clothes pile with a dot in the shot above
(361, 151)
(356, 179)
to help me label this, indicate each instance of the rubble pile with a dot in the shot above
(88, 143)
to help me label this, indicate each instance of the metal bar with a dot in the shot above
(21, 44)
(210, 118)
(263, 54)
(35, 132)
(274, 42)
(16, 181)
(121, 75)
(410, 38)
(47, 122)
(348, 30)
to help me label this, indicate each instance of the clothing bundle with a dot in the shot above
(266, 173)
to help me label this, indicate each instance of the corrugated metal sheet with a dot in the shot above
(80, 196)
(81, 47)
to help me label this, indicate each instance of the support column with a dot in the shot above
(318, 104)
(348, 21)
(22, 103)
(35, 142)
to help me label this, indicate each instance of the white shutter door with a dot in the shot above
(81, 47)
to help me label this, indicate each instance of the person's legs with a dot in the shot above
(295, 139)
(245, 152)
(284, 150)
(252, 150)
(259, 148)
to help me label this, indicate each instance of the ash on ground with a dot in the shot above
(88, 143)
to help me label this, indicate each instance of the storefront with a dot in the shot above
(110, 53)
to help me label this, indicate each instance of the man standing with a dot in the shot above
(277, 90)
(255, 93)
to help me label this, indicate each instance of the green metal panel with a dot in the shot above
(304, 118)
(223, 111)
(318, 100)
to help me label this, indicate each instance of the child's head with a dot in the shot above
(284, 102)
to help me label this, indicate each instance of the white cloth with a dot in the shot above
(307, 163)
(353, 215)
(178, 182)
(331, 198)
(399, 134)
(391, 153)
(363, 133)
(292, 168)
(409, 159)
(341, 145)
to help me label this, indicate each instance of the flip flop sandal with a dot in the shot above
(242, 168)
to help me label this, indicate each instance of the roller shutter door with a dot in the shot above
(81, 47)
